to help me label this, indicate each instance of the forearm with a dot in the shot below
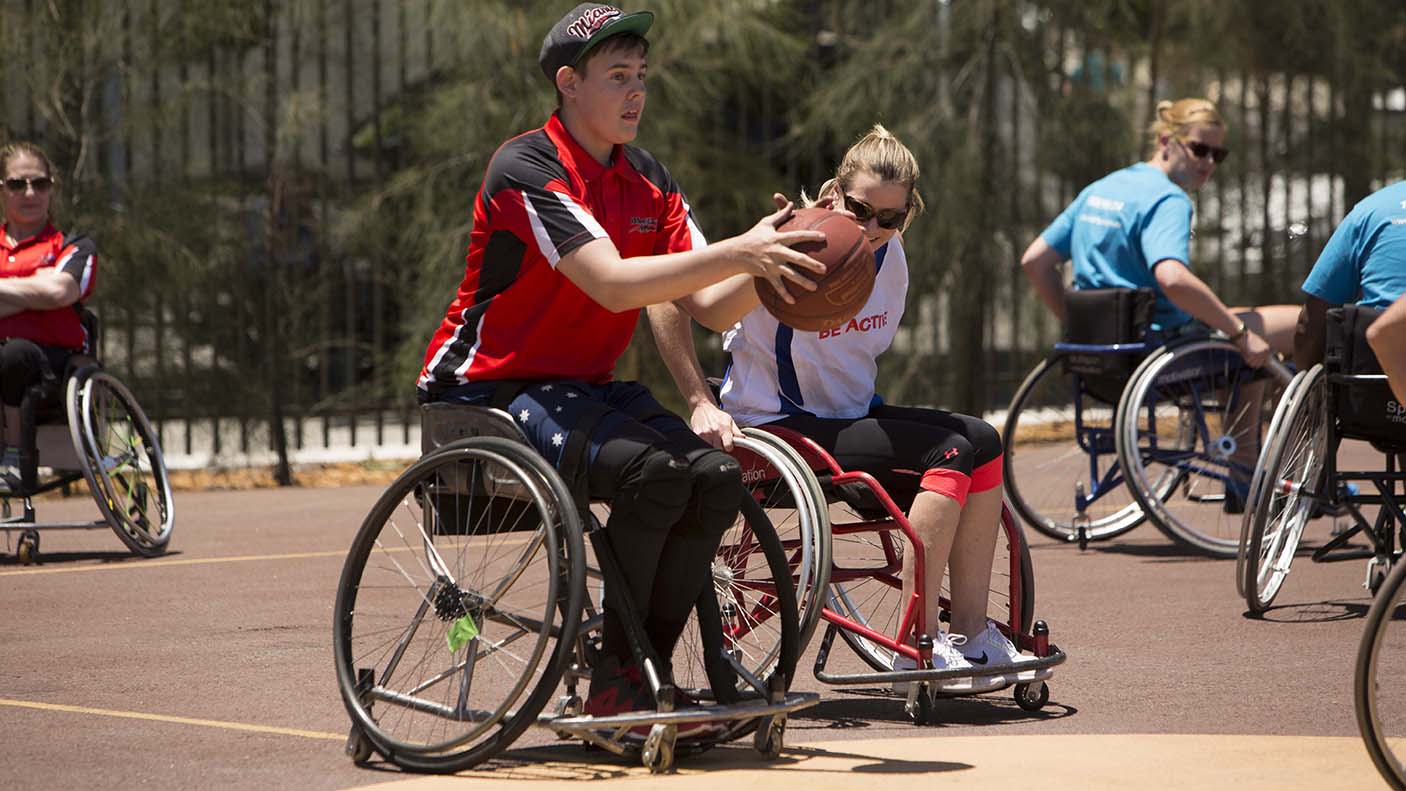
(1387, 337)
(722, 305)
(619, 284)
(1188, 292)
(673, 335)
(44, 291)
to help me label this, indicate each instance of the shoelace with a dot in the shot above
(946, 645)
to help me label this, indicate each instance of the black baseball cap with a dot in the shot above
(584, 27)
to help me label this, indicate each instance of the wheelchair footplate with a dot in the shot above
(925, 685)
(617, 732)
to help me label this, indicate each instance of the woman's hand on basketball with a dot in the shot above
(767, 252)
(715, 426)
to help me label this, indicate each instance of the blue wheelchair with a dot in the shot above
(1120, 424)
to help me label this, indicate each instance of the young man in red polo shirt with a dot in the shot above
(574, 231)
(43, 275)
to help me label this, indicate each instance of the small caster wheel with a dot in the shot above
(1377, 569)
(658, 750)
(770, 737)
(1032, 697)
(920, 704)
(358, 748)
(569, 706)
(27, 548)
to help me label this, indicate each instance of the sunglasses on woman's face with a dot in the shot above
(1199, 150)
(40, 184)
(888, 219)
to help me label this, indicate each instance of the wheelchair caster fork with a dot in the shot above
(658, 750)
(1081, 518)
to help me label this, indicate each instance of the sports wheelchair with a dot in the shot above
(845, 538)
(1345, 397)
(1121, 423)
(88, 426)
(466, 599)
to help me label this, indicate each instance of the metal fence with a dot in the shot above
(262, 312)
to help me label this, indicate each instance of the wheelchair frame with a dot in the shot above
(123, 503)
(1261, 569)
(1197, 452)
(526, 480)
(843, 618)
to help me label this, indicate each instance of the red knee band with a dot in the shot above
(947, 482)
(988, 475)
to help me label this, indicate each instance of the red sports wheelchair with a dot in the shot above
(845, 538)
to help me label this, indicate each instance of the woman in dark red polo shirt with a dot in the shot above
(43, 275)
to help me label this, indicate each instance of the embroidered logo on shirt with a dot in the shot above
(643, 225)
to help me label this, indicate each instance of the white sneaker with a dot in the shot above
(945, 656)
(991, 647)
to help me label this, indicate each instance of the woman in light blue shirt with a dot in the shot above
(1132, 228)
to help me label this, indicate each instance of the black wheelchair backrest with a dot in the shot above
(1365, 409)
(1107, 315)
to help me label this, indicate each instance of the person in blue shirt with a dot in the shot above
(1132, 228)
(1364, 263)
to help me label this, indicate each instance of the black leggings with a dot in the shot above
(24, 363)
(908, 449)
(672, 497)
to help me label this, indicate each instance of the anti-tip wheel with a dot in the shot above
(27, 548)
(358, 747)
(658, 751)
(770, 737)
(1032, 697)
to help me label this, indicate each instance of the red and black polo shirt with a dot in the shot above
(74, 254)
(515, 316)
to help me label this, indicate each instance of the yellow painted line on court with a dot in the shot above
(138, 715)
(156, 564)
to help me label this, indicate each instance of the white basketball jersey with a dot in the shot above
(778, 371)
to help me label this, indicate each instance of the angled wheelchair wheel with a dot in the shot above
(458, 604)
(865, 586)
(1058, 443)
(743, 640)
(1378, 696)
(121, 460)
(1279, 505)
(1188, 429)
(784, 485)
(745, 624)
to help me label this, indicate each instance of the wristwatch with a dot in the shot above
(1240, 333)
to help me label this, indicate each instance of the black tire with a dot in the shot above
(121, 459)
(480, 534)
(1040, 442)
(1276, 513)
(1181, 423)
(873, 601)
(1378, 697)
(765, 603)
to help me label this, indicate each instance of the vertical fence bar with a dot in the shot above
(324, 264)
(349, 293)
(378, 273)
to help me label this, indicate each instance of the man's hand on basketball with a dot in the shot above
(768, 252)
(715, 426)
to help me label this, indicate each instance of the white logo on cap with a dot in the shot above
(591, 21)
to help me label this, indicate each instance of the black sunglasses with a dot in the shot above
(41, 184)
(888, 219)
(1199, 150)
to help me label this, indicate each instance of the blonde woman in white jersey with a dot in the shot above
(822, 385)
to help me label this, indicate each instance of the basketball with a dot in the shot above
(848, 278)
